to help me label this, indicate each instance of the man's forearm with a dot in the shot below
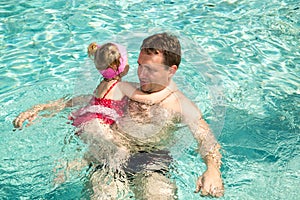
(208, 145)
(213, 158)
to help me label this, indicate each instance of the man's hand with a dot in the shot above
(210, 183)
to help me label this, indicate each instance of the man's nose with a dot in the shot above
(142, 72)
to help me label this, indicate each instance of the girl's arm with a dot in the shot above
(32, 113)
(153, 98)
(56, 106)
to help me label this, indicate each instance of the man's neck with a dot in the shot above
(162, 88)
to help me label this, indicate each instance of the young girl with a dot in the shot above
(110, 96)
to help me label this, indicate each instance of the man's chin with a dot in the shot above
(145, 88)
(150, 89)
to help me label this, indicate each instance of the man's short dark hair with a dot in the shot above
(165, 43)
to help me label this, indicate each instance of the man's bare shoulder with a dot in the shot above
(175, 101)
(179, 103)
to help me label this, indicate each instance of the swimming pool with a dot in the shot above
(253, 49)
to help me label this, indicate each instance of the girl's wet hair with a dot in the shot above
(92, 49)
(104, 56)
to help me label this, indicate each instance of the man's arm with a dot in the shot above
(210, 183)
(56, 106)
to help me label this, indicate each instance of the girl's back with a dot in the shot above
(109, 90)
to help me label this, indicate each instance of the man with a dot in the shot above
(145, 131)
(158, 61)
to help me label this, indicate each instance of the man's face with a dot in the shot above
(152, 74)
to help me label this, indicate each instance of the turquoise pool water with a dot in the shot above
(241, 66)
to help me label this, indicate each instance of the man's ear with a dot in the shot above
(172, 70)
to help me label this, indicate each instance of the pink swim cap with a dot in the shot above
(109, 72)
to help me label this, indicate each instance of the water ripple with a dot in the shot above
(248, 48)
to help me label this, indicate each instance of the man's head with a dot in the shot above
(158, 61)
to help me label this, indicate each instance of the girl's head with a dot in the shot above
(110, 59)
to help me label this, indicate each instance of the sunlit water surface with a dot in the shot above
(240, 65)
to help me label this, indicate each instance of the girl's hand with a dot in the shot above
(29, 115)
